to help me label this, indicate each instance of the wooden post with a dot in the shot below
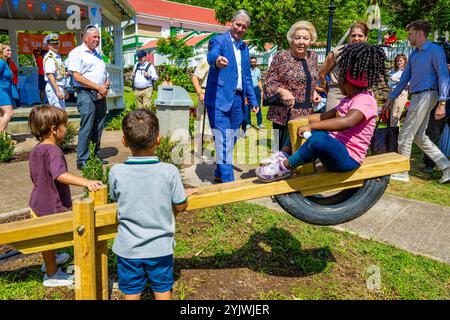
(100, 198)
(84, 249)
(296, 142)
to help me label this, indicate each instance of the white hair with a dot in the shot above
(90, 29)
(242, 14)
(302, 25)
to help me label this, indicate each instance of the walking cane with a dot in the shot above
(203, 126)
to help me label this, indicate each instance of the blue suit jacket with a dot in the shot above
(221, 85)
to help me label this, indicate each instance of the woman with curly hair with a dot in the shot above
(340, 137)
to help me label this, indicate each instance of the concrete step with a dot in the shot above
(19, 122)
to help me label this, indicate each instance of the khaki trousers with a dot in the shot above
(414, 129)
(143, 97)
(397, 109)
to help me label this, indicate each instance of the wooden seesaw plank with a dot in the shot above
(375, 166)
(55, 231)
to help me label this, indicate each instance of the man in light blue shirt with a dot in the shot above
(257, 86)
(428, 79)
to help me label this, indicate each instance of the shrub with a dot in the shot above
(94, 168)
(7, 146)
(179, 76)
(168, 149)
(69, 140)
(116, 122)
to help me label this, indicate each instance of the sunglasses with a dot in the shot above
(89, 26)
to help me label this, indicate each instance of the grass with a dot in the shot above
(284, 258)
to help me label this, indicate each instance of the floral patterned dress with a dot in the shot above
(299, 76)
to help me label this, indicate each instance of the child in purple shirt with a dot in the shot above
(48, 171)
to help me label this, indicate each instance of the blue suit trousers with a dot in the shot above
(225, 128)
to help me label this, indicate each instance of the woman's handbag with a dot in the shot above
(384, 140)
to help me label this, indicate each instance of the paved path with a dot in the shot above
(415, 226)
(418, 227)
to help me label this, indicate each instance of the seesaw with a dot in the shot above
(321, 198)
(306, 196)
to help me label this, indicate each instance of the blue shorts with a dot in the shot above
(134, 274)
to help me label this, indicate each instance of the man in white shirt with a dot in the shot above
(55, 73)
(91, 81)
(143, 76)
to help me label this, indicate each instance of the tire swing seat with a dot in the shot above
(319, 198)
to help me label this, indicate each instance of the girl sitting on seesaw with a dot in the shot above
(340, 137)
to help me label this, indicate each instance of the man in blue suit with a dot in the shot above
(229, 82)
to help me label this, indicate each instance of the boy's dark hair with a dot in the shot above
(363, 59)
(140, 128)
(421, 25)
(253, 57)
(42, 118)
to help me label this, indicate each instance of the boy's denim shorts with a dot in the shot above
(134, 274)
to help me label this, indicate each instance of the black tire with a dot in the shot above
(336, 209)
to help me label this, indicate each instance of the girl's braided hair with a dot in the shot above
(363, 59)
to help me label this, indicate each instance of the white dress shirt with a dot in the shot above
(237, 55)
(53, 64)
(89, 64)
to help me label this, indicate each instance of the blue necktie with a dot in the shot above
(96, 54)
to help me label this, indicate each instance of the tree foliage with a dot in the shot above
(402, 12)
(271, 20)
(174, 49)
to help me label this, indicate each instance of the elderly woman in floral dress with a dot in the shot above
(293, 76)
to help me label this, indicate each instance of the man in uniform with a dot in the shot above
(55, 73)
(91, 81)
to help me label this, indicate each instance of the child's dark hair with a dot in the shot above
(42, 118)
(363, 60)
(140, 128)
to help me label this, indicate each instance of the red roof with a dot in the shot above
(195, 40)
(153, 43)
(174, 10)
